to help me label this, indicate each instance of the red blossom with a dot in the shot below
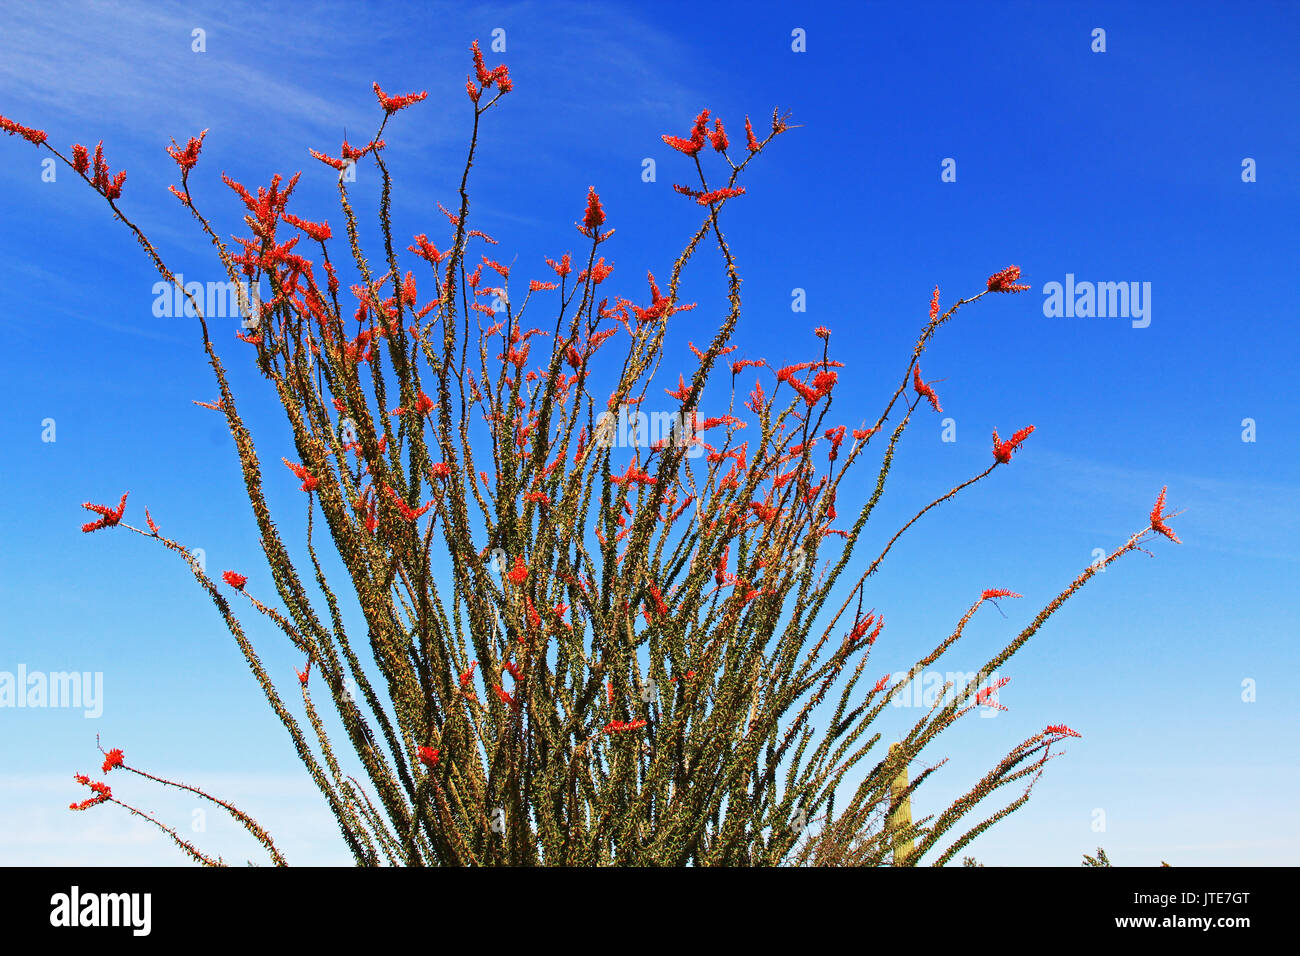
(391, 104)
(617, 726)
(563, 267)
(107, 516)
(1002, 450)
(505, 697)
(186, 158)
(633, 475)
(480, 68)
(309, 482)
(1060, 730)
(320, 231)
(717, 195)
(1158, 516)
(934, 304)
(110, 188)
(519, 573)
(599, 272)
(1005, 281)
(924, 390)
(428, 756)
(689, 147)
(33, 136)
(406, 511)
(822, 333)
(719, 136)
(236, 581)
(987, 697)
(499, 76)
(112, 759)
(594, 218)
(998, 593)
(864, 629)
(80, 158)
(750, 142)
(699, 133)
(101, 790)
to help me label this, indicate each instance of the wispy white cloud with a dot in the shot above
(1248, 517)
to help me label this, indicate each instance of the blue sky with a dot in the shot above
(1122, 166)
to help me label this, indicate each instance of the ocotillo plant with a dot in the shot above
(578, 649)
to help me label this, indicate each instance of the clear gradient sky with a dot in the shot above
(1116, 166)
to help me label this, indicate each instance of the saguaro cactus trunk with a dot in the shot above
(900, 810)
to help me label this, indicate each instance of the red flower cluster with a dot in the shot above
(988, 696)
(428, 756)
(349, 154)
(998, 593)
(860, 630)
(320, 231)
(108, 516)
(505, 696)
(235, 580)
(112, 759)
(633, 475)
(717, 195)
(1005, 281)
(300, 472)
(616, 726)
(1002, 450)
(186, 158)
(519, 573)
(719, 136)
(1060, 730)
(924, 390)
(500, 76)
(406, 511)
(594, 218)
(33, 136)
(1158, 516)
(102, 793)
(699, 134)
(819, 388)
(81, 162)
(391, 104)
